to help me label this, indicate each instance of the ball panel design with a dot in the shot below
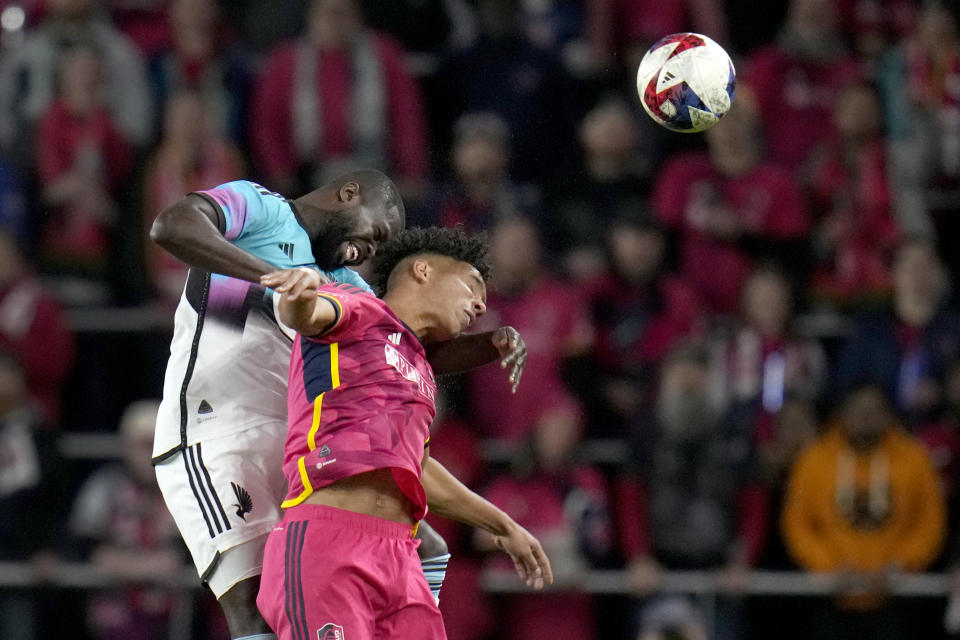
(686, 82)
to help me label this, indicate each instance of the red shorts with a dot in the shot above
(330, 574)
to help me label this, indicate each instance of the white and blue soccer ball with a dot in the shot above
(686, 82)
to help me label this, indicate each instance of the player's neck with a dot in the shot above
(313, 215)
(410, 313)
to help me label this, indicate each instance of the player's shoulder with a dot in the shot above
(354, 303)
(346, 290)
(251, 190)
(346, 275)
(342, 287)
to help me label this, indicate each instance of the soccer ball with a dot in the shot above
(686, 82)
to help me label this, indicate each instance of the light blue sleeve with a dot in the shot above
(244, 208)
(349, 276)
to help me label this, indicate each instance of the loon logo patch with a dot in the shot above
(244, 502)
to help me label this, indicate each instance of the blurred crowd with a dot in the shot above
(757, 323)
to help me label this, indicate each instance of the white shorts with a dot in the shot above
(224, 492)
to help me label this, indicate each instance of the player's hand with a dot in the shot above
(528, 557)
(301, 282)
(513, 353)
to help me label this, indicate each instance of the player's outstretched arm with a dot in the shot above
(468, 352)
(300, 308)
(188, 230)
(450, 498)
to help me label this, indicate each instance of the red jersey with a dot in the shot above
(553, 322)
(766, 201)
(360, 397)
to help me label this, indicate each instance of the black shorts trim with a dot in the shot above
(216, 496)
(205, 576)
(194, 349)
(196, 494)
(166, 455)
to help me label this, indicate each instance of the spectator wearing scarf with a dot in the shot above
(335, 99)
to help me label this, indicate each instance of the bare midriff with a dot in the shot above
(373, 493)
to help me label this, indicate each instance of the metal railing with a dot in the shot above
(703, 584)
(78, 575)
(107, 446)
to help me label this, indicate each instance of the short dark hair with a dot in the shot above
(452, 242)
(381, 185)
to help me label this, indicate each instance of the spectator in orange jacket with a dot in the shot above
(864, 501)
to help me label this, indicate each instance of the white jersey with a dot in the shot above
(229, 356)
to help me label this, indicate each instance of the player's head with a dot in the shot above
(766, 300)
(920, 280)
(438, 275)
(334, 23)
(349, 217)
(866, 416)
(81, 77)
(515, 252)
(481, 148)
(735, 143)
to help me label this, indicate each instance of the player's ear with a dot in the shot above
(348, 191)
(421, 270)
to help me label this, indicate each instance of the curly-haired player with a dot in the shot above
(357, 455)
(219, 436)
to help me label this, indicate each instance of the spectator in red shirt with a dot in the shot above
(29, 74)
(82, 163)
(797, 80)
(758, 362)
(481, 192)
(730, 208)
(629, 27)
(338, 97)
(640, 312)
(567, 504)
(191, 156)
(691, 500)
(33, 329)
(553, 322)
(855, 232)
(202, 57)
